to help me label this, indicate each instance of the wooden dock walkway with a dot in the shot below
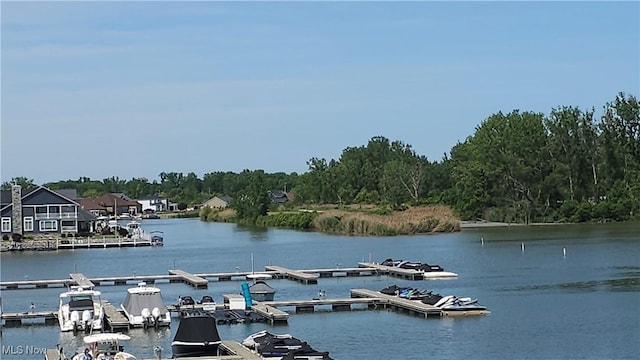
(337, 304)
(293, 274)
(114, 318)
(19, 319)
(54, 354)
(81, 280)
(274, 315)
(193, 280)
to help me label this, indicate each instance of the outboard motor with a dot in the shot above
(75, 320)
(146, 317)
(86, 320)
(156, 317)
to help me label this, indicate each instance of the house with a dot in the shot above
(41, 211)
(116, 205)
(91, 205)
(153, 203)
(278, 196)
(217, 202)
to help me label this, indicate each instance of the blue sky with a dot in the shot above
(103, 89)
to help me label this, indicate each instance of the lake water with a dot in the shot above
(585, 305)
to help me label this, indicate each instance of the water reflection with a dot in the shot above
(628, 284)
(257, 233)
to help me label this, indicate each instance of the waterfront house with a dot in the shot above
(217, 202)
(153, 204)
(42, 211)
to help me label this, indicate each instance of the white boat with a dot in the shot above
(144, 307)
(124, 216)
(134, 230)
(105, 346)
(80, 309)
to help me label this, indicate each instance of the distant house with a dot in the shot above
(278, 196)
(91, 205)
(42, 211)
(116, 205)
(153, 204)
(217, 202)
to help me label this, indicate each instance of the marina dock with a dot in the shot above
(413, 307)
(201, 280)
(115, 320)
(297, 275)
(187, 278)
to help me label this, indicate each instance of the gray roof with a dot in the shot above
(84, 215)
(68, 193)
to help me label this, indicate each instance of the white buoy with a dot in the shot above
(522, 246)
(564, 252)
(482, 240)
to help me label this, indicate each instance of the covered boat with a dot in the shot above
(261, 291)
(197, 335)
(144, 307)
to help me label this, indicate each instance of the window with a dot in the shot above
(28, 223)
(48, 225)
(6, 224)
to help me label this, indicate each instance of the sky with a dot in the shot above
(133, 89)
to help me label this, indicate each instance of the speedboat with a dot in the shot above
(197, 335)
(144, 307)
(104, 346)
(208, 303)
(428, 271)
(261, 291)
(285, 346)
(80, 309)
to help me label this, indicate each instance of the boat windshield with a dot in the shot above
(81, 302)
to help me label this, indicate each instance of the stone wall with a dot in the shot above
(16, 200)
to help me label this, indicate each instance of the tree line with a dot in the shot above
(569, 165)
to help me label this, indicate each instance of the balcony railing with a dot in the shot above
(54, 216)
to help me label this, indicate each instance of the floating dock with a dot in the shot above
(414, 307)
(115, 320)
(407, 274)
(200, 281)
(187, 278)
(296, 275)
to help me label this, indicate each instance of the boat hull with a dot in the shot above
(183, 349)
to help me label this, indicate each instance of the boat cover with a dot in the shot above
(135, 302)
(197, 327)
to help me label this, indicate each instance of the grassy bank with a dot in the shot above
(355, 220)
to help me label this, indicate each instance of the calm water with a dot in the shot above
(544, 305)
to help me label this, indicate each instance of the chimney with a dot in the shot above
(16, 200)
